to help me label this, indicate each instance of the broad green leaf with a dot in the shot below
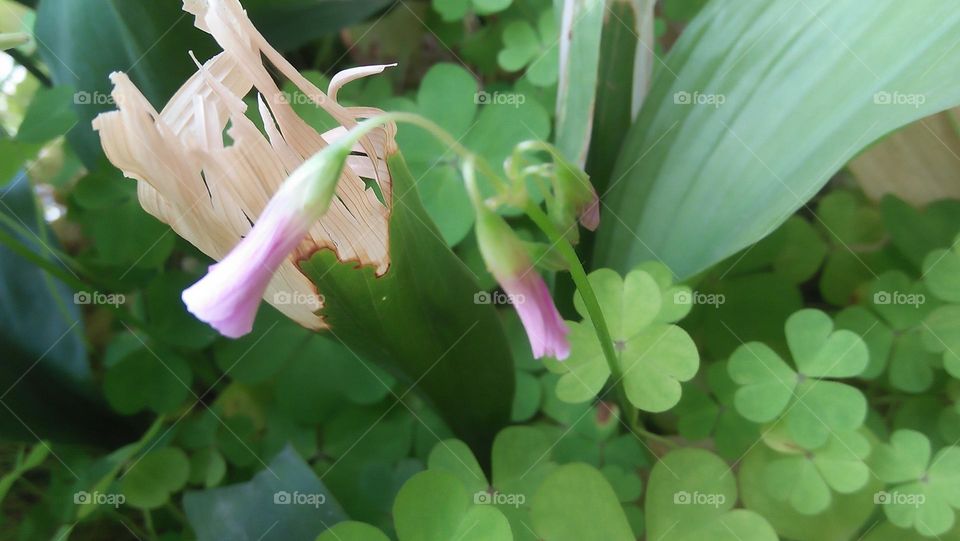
(284, 501)
(452, 347)
(582, 23)
(576, 502)
(49, 116)
(754, 129)
(289, 24)
(42, 339)
(691, 494)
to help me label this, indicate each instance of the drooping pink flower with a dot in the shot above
(546, 330)
(229, 295)
(590, 212)
(508, 260)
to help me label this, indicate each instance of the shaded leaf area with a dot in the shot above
(420, 320)
(83, 43)
(42, 337)
(284, 501)
(288, 24)
(741, 112)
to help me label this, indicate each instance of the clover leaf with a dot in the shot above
(941, 272)
(454, 10)
(150, 481)
(691, 495)
(874, 332)
(449, 96)
(899, 301)
(805, 479)
(813, 406)
(701, 415)
(534, 49)
(539, 499)
(654, 356)
(925, 491)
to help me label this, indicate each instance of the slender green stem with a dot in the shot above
(579, 275)
(564, 247)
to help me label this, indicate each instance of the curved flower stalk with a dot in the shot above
(507, 259)
(211, 192)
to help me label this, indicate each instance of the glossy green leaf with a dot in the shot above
(83, 43)
(284, 501)
(288, 24)
(581, 25)
(454, 349)
(42, 337)
(729, 144)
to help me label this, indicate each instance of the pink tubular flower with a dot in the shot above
(229, 295)
(507, 258)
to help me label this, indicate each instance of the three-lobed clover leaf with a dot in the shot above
(654, 356)
(811, 404)
(691, 495)
(532, 48)
(806, 479)
(455, 10)
(924, 491)
(449, 95)
(701, 415)
(941, 272)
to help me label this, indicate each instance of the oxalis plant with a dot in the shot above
(518, 270)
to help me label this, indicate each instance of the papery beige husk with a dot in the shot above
(209, 191)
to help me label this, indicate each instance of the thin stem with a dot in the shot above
(579, 275)
(30, 66)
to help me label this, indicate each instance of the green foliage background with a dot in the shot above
(791, 357)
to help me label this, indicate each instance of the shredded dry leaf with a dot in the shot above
(209, 191)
